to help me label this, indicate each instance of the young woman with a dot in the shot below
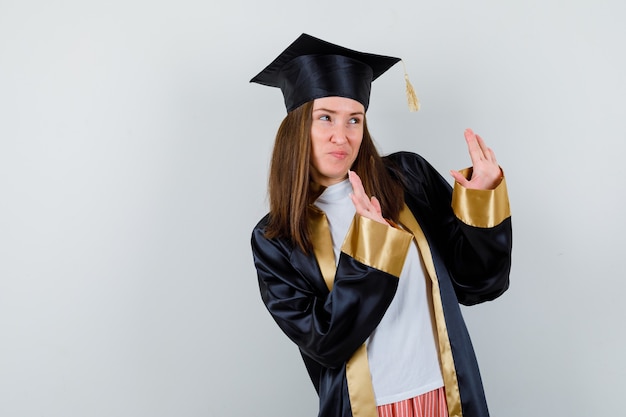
(363, 260)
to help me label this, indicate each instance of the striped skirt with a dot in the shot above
(430, 404)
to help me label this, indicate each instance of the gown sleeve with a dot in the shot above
(328, 325)
(469, 229)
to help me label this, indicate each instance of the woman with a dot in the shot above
(363, 260)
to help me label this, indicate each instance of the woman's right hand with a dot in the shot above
(365, 206)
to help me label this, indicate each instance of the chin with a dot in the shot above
(341, 175)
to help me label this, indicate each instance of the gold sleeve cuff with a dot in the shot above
(377, 245)
(480, 208)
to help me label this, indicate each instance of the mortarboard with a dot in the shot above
(311, 68)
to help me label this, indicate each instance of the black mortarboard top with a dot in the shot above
(311, 68)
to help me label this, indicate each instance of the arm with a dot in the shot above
(329, 325)
(480, 250)
(474, 253)
(480, 201)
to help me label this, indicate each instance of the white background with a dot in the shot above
(133, 161)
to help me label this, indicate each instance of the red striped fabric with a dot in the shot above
(430, 404)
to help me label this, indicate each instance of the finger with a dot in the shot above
(355, 181)
(475, 151)
(492, 156)
(357, 185)
(359, 197)
(487, 152)
(376, 205)
(366, 210)
(357, 189)
(458, 177)
(358, 204)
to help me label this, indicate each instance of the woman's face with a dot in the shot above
(336, 135)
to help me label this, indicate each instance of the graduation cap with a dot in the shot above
(311, 68)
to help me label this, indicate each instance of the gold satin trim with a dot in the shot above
(377, 245)
(480, 208)
(322, 245)
(453, 396)
(360, 389)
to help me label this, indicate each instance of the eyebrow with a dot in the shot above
(358, 113)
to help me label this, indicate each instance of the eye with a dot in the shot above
(354, 121)
(325, 118)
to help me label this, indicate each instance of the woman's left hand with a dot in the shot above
(486, 173)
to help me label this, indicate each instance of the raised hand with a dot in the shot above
(365, 206)
(486, 173)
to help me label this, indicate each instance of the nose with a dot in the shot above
(339, 134)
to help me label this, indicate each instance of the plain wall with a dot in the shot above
(133, 162)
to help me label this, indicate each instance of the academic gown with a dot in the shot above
(329, 310)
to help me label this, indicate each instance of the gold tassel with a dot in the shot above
(414, 104)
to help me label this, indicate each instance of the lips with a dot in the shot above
(339, 154)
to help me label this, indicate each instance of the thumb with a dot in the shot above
(376, 205)
(458, 177)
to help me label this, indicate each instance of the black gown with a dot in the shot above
(465, 239)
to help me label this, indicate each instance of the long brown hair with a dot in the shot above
(289, 185)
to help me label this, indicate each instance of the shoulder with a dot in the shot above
(409, 164)
(403, 156)
(258, 232)
(262, 245)
(262, 223)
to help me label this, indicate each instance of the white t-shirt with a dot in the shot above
(402, 351)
